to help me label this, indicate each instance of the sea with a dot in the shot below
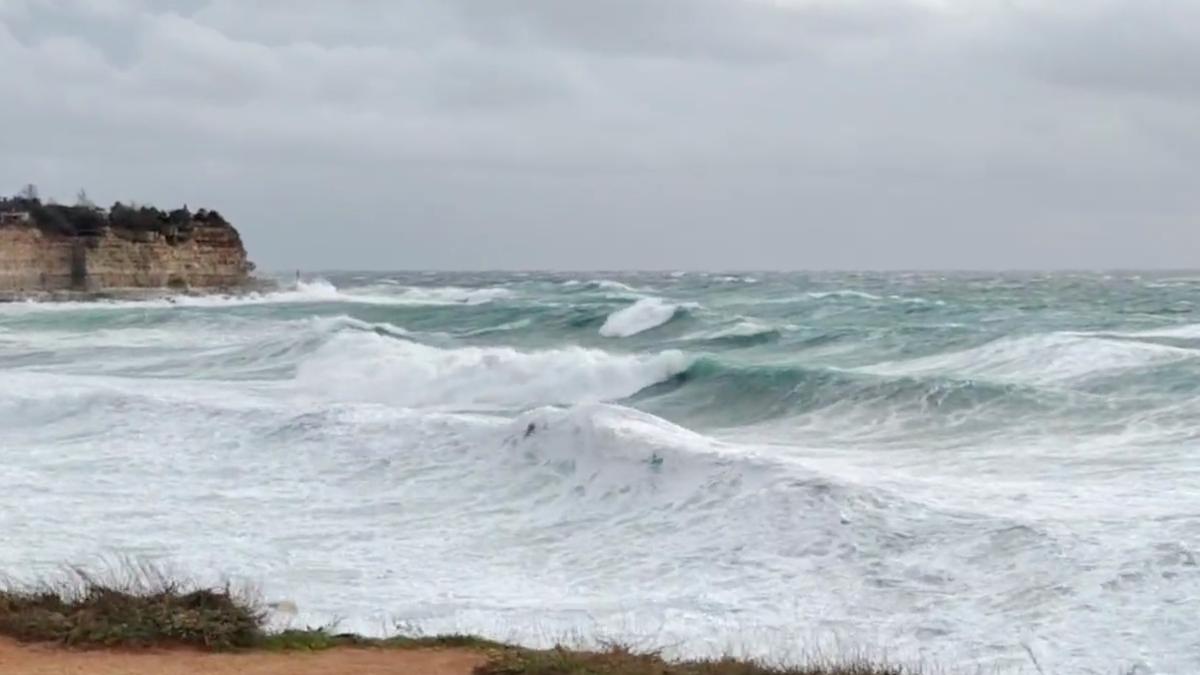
(977, 472)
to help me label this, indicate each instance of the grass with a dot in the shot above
(618, 660)
(318, 639)
(141, 607)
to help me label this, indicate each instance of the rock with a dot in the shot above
(35, 261)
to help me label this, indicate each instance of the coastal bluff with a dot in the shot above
(51, 249)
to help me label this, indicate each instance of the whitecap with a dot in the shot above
(364, 366)
(639, 317)
(1037, 359)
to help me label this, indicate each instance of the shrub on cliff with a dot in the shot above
(181, 218)
(51, 218)
(18, 203)
(69, 220)
(86, 219)
(211, 218)
(138, 219)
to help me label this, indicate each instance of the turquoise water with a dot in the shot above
(946, 467)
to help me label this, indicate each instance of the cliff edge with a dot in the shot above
(51, 248)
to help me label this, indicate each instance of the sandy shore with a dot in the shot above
(17, 659)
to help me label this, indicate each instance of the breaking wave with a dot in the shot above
(1039, 359)
(370, 367)
(641, 316)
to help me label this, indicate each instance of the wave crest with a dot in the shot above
(1038, 359)
(366, 366)
(641, 316)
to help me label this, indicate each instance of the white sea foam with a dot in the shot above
(1187, 332)
(843, 293)
(1038, 359)
(314, 291)
(743, 328)
(369, 367)
(639, 317)
(606, 284)
(600, 433)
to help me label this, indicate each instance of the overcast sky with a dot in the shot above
(469, 134)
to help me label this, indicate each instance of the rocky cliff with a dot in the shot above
(206, 257)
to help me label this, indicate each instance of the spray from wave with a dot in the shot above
(369, 367)
(643, 315)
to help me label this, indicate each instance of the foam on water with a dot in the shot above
(306, 292)
(843, 293)
(641, 316)
(943, 467)
(743, 328)
(369, 367)
(1040, 359)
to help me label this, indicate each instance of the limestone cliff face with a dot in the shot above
(33, 261)
(207, 257)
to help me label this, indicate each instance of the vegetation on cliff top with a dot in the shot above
(84, 218)
(144, 607)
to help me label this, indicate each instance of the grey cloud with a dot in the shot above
(656, 133)
(1147, 47)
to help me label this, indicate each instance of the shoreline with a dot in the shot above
(319, 653)
(251, 287)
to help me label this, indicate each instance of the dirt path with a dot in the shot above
(18, 659)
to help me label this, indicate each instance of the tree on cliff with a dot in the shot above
(180, 217)
(51, 218)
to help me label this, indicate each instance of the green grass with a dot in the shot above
(141, 607)
(318, 639)
(622, 661)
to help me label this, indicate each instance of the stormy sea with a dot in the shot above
(966, 470)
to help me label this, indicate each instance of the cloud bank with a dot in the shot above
(626, 133)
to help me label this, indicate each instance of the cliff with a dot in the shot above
(207, 257)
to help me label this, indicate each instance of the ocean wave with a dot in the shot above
(452, 295)
(1184, 332)
(718, 393)
(334, 324)
(743, 333)
(368, 367)
(853, 294)
(605, 433)
(734, 279)
(508, 326)
(1051, 358)
(641, 316)
(843, 293)
(320, 290)
(601, 284)
(303, 292)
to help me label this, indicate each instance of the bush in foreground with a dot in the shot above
(143, 609)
